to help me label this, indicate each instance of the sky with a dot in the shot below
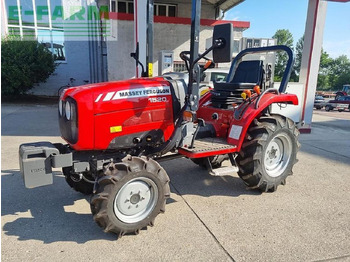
(267, 16)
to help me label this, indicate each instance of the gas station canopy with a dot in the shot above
(225, 5)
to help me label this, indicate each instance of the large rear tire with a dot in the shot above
(130, 195)
(268, 152)
(338, 95)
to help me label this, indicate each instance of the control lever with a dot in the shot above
(136, 57)
(201, 122)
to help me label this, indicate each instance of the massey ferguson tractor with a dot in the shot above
(118, 132)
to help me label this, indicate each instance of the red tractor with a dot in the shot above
(344, 92)
(117, 132)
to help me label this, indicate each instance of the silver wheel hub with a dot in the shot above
(277, 155)
(136, 200)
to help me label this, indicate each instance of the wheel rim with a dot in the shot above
(136, 200)
(277, 155)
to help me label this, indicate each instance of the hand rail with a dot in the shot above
(247, 51)
(262, 94)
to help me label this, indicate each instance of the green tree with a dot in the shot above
(324, 71)
(283, 37)
(298, 56)
(23, 63)
(339, 72)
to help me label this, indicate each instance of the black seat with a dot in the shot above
(247, 75)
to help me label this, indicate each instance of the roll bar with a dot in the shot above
(247, 51)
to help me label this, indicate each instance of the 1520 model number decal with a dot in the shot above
(158, 99)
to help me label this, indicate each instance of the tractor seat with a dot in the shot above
(247, 75)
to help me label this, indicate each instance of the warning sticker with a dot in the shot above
(235, 132)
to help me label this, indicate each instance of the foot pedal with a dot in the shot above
(224, 171)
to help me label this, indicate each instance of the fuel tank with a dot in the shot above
(118, 115)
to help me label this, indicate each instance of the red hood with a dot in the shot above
(101, 96)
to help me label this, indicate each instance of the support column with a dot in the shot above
(140, 29)
(4, 28)
(316, 16)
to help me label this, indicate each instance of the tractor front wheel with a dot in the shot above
(130, 195)
(78, 183)
(268, 153)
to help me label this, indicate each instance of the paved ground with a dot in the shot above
(207, 218)
(345, 115)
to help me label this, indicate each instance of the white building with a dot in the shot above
(92, 41)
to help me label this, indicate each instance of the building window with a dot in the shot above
(249, 43)
(165, 10)
(32, 20)
(256, 42)
(113, 6)
(179, 66)
(236, 46)
(126, 7)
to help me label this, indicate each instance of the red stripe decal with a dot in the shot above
(181, 20)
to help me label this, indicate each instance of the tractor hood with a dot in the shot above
(100, 116)
(134, 93)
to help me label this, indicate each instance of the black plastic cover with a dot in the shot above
(225, 33)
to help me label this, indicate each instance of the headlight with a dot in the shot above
(60, 107)
(68, 119)
(68, 110)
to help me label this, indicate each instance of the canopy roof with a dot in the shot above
(225, 5)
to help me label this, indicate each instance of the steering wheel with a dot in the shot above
(185, 56)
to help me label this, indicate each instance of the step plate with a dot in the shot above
(208, 147)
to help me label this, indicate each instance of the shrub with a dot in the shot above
(23, 63)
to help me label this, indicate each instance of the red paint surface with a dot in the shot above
(98, 111)
(134, 114)
(305, 130)
(226, 117)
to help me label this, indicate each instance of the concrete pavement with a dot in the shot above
(206, 219)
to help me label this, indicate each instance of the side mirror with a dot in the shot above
(223, 33)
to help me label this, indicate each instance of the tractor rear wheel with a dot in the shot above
(268, 152)
(338, 95)
(78, 183)
(130, 195)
